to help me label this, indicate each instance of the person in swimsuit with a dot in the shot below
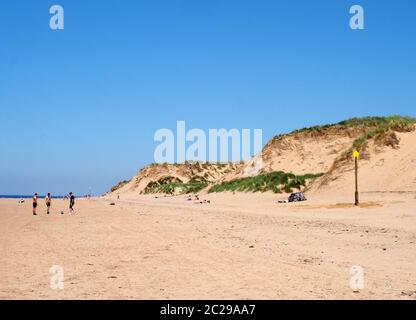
(35, 204)
(48, 202)
(71, 202)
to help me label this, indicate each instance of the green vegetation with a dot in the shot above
(119, 185)
(381, 124)
(361, 142)
(395, 122)
(172, 185)
(277, 182)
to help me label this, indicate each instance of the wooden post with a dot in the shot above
(356, 154)
(356, 182)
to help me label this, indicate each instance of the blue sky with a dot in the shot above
(79, 106)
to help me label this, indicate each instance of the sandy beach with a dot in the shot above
(243, 246)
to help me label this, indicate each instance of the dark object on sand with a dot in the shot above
(297, 197)
(112, 204)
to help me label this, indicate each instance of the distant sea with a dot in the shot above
(13, 196)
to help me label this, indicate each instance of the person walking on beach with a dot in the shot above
(35, 204)
(71, 202)
(48, 201)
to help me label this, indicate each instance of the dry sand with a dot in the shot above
(237, 247)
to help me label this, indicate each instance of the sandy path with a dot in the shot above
(237, 247)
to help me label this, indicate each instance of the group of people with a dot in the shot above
(48, 202)
(195, 199)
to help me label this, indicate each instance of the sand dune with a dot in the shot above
(383, 169)
(210, 171)
(387, 161)
(305, 152)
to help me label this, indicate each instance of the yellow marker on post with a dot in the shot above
(356, 155)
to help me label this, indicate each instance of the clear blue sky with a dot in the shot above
(79, 107)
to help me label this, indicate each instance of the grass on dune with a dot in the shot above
(276, 182)
(379, 126)
(375, 125)
(391, 121)
(395, 122)
(119, 185)
(172, 185)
